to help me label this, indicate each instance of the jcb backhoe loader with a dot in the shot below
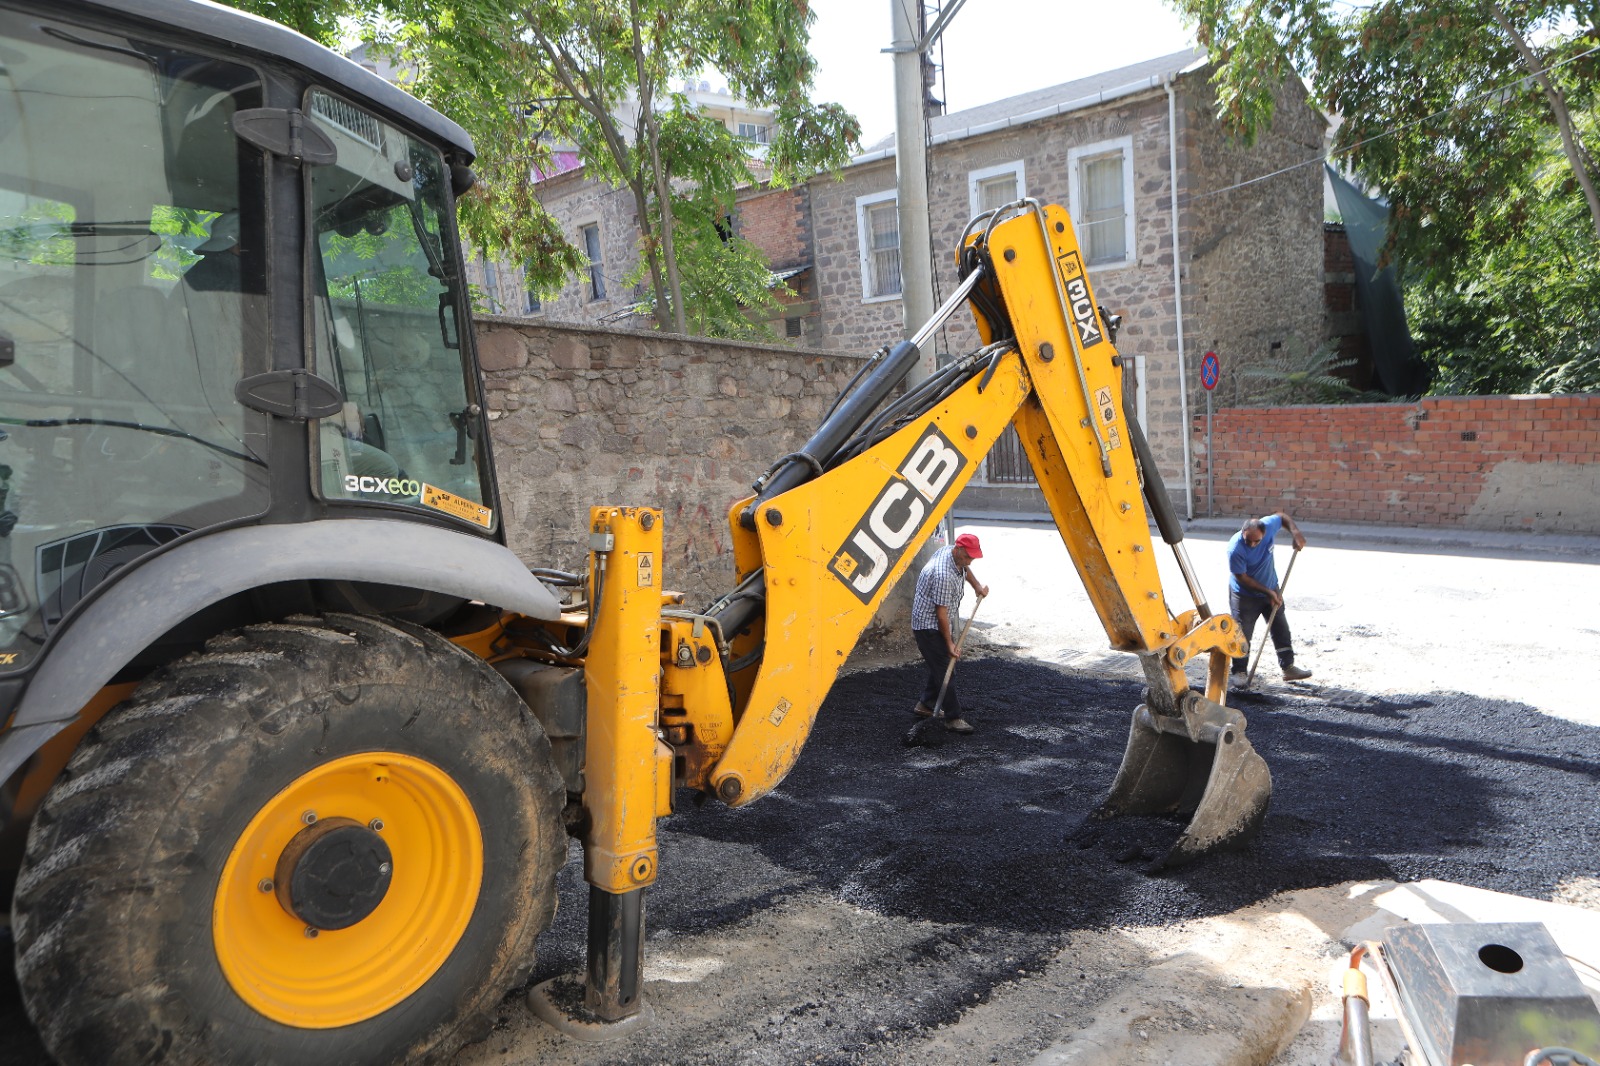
(292, 743)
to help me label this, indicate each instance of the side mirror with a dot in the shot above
(461, 179)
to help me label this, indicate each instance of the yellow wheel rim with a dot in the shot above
(340, 977)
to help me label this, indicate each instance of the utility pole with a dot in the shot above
(911, 181)
(910, 45)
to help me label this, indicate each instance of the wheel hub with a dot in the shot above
(333, 873)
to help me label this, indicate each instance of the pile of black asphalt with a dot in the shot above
(988, 835)
(992, 829)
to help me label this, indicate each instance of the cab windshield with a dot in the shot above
(132, 301)
(384, 324)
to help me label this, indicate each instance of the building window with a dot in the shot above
(1102, 201)
(792, 327)
(591, 248)
(878, 223)
(753, 131)
(491, 285)
(531, 304)
(994, 187)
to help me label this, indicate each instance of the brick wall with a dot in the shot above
(582, 416)
(1493, 462)
(1341, 307)
(778, 221)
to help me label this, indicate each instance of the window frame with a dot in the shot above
(1076, 157)
(864, 246)
(491, 284)
(975, 178)
(596, 267)
(532, 301)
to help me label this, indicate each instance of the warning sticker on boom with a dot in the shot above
(1103, 403)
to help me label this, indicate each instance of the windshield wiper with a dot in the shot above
(48, 423)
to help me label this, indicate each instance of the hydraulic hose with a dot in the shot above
(799, 467)
(1155, 494)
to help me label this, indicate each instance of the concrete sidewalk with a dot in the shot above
(1350, 534)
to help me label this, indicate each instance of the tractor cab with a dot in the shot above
(230, 293)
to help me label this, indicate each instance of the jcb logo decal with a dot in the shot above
(9, 658)
(1078, 299)
(875, 546)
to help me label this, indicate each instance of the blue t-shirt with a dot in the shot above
(1257, 561)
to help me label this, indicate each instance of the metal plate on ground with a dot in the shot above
(1487, 994)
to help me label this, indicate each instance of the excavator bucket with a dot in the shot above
(1197, 763)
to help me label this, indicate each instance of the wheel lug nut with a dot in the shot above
(311, 932)
(265, 884)
(309, 817)
(376, 825)
(384, 869)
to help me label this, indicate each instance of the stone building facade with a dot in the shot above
(1250, 247)
(600, 294)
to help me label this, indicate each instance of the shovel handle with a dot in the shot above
(950, 667)
(1271, 618)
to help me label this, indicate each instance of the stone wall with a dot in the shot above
(1484, 462)
(581, 416)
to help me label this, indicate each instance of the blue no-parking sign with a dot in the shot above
(1210, 370)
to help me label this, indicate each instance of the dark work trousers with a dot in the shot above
(1246, 607)
(931, 644)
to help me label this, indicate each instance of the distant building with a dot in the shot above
(602, 223)
(1137, 157)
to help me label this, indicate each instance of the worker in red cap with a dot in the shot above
(938, 599)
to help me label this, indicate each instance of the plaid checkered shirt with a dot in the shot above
(941, 583)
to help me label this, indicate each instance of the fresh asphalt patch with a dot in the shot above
(992, 829)
(986, 838)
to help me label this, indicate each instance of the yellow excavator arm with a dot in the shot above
(722, 700)
(828, 550)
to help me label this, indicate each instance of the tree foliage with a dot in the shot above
(601, 75)
(1474, 118)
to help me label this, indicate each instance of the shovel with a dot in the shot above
(1271, 618)
(913, 735)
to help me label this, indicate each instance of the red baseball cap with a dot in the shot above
(969, 542)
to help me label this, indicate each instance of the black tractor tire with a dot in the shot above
(113, 913)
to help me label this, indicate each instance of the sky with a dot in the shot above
(992, 49)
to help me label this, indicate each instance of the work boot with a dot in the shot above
(1295, 673)
(958, 725)
(922, 710)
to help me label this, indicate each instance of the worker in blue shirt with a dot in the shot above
(1253, 587)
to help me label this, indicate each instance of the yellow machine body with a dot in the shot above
(673, 702)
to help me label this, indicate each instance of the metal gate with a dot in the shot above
(1007, 463)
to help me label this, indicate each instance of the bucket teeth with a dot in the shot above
(1197, 763)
